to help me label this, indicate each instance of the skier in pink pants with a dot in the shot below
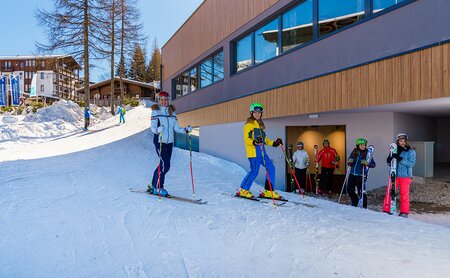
(406, 158)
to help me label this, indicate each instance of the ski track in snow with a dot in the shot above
(66, 211)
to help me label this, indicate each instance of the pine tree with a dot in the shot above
(137, 69)
(153, 73)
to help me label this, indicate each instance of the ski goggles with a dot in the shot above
(257, 109)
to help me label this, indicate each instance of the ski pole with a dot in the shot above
(159, 165)
(345, 182)
(267, 175)
(190, 164)
(292, 172)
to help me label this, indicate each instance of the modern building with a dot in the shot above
(324, 69)
(100, 92)
(58, 76)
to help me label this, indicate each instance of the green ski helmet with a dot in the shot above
(360, 141)
(256, 107)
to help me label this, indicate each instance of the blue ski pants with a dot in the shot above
(164, 163)
(255, 163)
(121, 118)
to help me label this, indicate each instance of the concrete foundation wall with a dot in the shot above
(226, 141)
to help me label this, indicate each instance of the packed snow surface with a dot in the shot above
(66, 210)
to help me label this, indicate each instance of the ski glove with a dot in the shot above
(364, 162)
(277, 142)
(188, 129)
(350, 162)
(257, 141)
(160, 129)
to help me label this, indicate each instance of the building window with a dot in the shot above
(21, 64)
(379, 5)
(206, 75)
(42, 88)
(26, 63)
(42, 63)
(185, 83)
(33, 63)
(244, 53)
(42, 75)
(337, 14)
(266, 42)
(194, 79)
(218, 66)
(177, 86)
(298, 25)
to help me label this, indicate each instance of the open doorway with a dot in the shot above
(315, 135)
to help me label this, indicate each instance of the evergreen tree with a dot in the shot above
(137, 69)
(153, 73)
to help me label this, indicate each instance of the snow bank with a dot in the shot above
(60, 119)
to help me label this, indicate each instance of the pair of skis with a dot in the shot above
(390, 204)
(172, 197)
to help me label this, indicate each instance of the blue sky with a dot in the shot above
(161, 19)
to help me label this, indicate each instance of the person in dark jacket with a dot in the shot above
(357, 162)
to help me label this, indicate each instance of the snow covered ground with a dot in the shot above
(66, 210)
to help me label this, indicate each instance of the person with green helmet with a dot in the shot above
(356, 162)
(255, 140)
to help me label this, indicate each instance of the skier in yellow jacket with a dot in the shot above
(254, 140)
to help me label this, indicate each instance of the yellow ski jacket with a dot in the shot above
(252, 130)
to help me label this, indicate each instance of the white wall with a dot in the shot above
(226, 140)
(47, 82)
(442, 146)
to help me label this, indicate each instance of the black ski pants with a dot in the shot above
(326, 179)
(164, 163)
(353, 183)
(300, 174)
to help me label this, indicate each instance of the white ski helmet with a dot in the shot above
(401, 136)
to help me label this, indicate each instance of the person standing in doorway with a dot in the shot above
(301, 163)
(330, 160)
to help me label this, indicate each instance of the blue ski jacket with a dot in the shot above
(356, 166)
(405, 165)
(87, 113)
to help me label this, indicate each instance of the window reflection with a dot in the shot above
(244, 53)
(379, 5)
(266, 42)
(298, 25)
(218, 66)
(185, 83)
(337, 14)
(194, 79)
(206, 73)
(177, 87)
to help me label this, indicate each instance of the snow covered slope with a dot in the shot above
(66, 210)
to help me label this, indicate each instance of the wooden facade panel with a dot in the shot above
(437, 72)
(424, 74)
(213, 21)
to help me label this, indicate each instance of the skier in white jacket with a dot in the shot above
(164, 124)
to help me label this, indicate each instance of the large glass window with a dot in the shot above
(266, 42)
(177, 86)
(298, 25)
(194, 79)
(337, 14)
(379, 5)
(185, 83)
(244, 53)
(218, 66)
(206, 73)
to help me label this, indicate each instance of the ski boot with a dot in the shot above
(245, 194)
(154, 190)
(268, 194)
(402, 214)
